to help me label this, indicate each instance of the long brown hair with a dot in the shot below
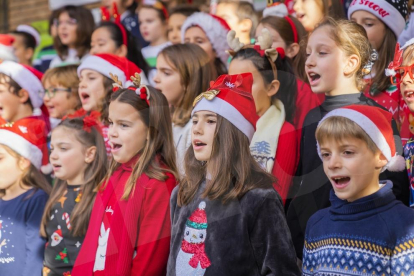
(158, 155)
(233, 170)
(196, 71)
(94, 173)
(31, 176)
(84, 29)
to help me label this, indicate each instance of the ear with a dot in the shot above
(381, 161)
(90, 154)
(24, 96)
(122, 51)
(24, 163)
(273, 88)
(245, 25)
(292, 50)
(351, 66)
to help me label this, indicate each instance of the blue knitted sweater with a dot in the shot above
(370, 236)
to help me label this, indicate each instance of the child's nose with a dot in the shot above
(334, 162)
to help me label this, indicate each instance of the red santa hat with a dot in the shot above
(27, 137)
(216, 30)
(107, 64)
(376, 122)
(31, 31)
(6, 47)
(27, 77)
(230, 96)
(198, 219)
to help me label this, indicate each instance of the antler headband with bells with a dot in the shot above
(141, 90)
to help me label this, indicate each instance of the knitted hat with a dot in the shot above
(6, 47)
(31, 31)
(198, 219)
(27, 137)
(216, 30)
(275, 8)
(391, 12)
(108, 63)
(27, 78)
(376, 122)
(230, 96)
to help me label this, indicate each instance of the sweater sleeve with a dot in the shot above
(271, 241)
(285, 163)
(153, 242)
(35, 244)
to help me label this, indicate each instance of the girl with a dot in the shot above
(287, 32)
(61, 92)
(153, 27)
(74, 27)
(177, 17)
(337, 52)
(310, 13)
(129, 230)
(210, 35)
(226, 203)
(183, 72)
(383, 21)
(23, 195)
(79, 163)
(274, 143)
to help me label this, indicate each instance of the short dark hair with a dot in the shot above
(185, 10)
(28, 40)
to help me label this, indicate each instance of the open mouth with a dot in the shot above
(199, 144)
(340, 181)
(409, 95)
(314, 77)
(115, 146)
(300, 15)
(55, 167)
(85, 96)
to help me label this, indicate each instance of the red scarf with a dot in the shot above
(199, 254)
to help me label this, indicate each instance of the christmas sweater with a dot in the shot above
(373, 235)
(248, 236)
(150, 54)
(62, 247)
(409, 161)
(21, 246)
(311, 187)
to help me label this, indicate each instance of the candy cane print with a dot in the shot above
(65, 217)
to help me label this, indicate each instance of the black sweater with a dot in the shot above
(311, 187)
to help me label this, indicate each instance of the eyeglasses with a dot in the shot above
(70, 22)
(52, 91)
(401, 73)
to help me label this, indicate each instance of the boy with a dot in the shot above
(26, 39)
(241, 18)
(366, 231)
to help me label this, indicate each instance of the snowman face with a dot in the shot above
(192, 235)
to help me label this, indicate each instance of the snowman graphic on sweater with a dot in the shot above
(192, 259)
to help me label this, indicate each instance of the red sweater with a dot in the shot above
(285, 160)
(141, 223)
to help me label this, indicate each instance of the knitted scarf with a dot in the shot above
(199, 254)
(264, 143)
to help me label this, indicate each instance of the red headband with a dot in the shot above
(160, 6)
(106, 17)
(295, 32)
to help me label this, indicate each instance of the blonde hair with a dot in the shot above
(408, 56)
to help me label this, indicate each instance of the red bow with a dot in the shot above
(199, 254)
(90, 121)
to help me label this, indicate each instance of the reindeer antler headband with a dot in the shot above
(141, 90)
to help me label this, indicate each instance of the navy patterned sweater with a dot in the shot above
(370, 236)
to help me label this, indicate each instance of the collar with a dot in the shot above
(334, 102)
(129, 166)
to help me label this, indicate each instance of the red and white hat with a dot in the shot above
(198, 219)
(27, 137)
(215, 28)
(108, 63)
(230, 96)
(6, 47)
(376, 122)
(28, 78)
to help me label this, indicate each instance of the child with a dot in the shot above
(153, 27)
(274, 143)
(113, 38)
(384, 21)
(366, 231)
(241, 18)
(183, 72)
(61, 92)
(310, 13)
(227, 218)
(79, 163)
(74, 27)
(210, 35)
(337, 52)
(129, 230)
(176, 19)
(26, 40)
(23, 195)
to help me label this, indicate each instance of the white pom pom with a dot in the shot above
(46, 169)
(202, 205)
(390, 72)
(396, 164)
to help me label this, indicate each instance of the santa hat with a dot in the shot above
(275, 8)
(27, 78)
(391, 12)
(216, 30)
(6, 47)
(230, 96)
(31, 31)
(27, 137)
(107, 64)
(376, 123)
(198, 219)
